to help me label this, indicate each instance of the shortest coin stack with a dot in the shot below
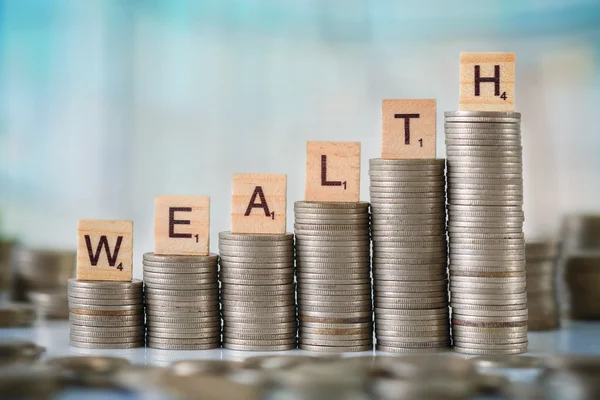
(106, 314)
(258, 291)
(182, 301)
(541, 289)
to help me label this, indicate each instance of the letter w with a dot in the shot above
(112, 259)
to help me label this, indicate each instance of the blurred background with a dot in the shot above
(105, 104)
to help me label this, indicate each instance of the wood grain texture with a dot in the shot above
(104, 250)
(408, 129)
(259, 203)
(182, 225)
(491, 96)
(332, 171)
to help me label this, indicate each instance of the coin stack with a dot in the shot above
(50, 303)
(182, 301)
(40, 276)
(582, 284)
(485, 229)
(541, 288)
(408, 227)
(333, 273)
(106, 314)
(6, 249)
(16, 315)
(258, 291)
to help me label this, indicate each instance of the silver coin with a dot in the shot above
(331, 205)
(104, 294)
(104, 334)
(232, 346)
(255, 237)
(173, 343)
(79, 301)
(183, 271)
(138, 321)
(416, 163)
(334, 343)
(134, 338)
(318, 244)
(135, 284)
(91, 307)
(258, 245)
(152, 335)
(248, 265)
(325, 235)
(332, 338)
(184, 325)
(248, 280)
(481, 125)
(179, 259)
(256, 253)
(258, 260)
(180, 265)
(234, 290)
(86, 345)
(336, 349)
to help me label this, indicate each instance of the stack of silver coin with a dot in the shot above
(333, 272)
(40, 277)
(106, 314)
(182, 302)
(257, 291)
(485, 229)
(6, 250)
(581, 274)
(408, 227)
(541, 284)
(16, 315)
(50, 303)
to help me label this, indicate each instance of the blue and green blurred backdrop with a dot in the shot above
(105, 104)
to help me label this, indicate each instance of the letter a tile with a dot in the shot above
(182, 225)
(104, 250)
(332, 171)
(487, 82)
(259, 203)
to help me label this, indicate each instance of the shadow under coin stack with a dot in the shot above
(541, 285)
(408, 227)
(485, 229)
(182, 302)
(106, 314)
(333, 274)
(258, 291)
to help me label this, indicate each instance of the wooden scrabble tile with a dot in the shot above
(104, 250)
(332, 171)
(182, 225)
(259, 203)
(408, 129)
(487, 82)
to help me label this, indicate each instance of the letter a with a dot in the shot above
(258, 191)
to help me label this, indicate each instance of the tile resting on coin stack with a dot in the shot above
(106, 314)
(485, 231)
(408, 227)
(106, 307)
(333, 273)
(257, 291)
(258, 300)
(182, 301)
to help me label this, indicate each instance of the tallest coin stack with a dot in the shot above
(485, 230)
